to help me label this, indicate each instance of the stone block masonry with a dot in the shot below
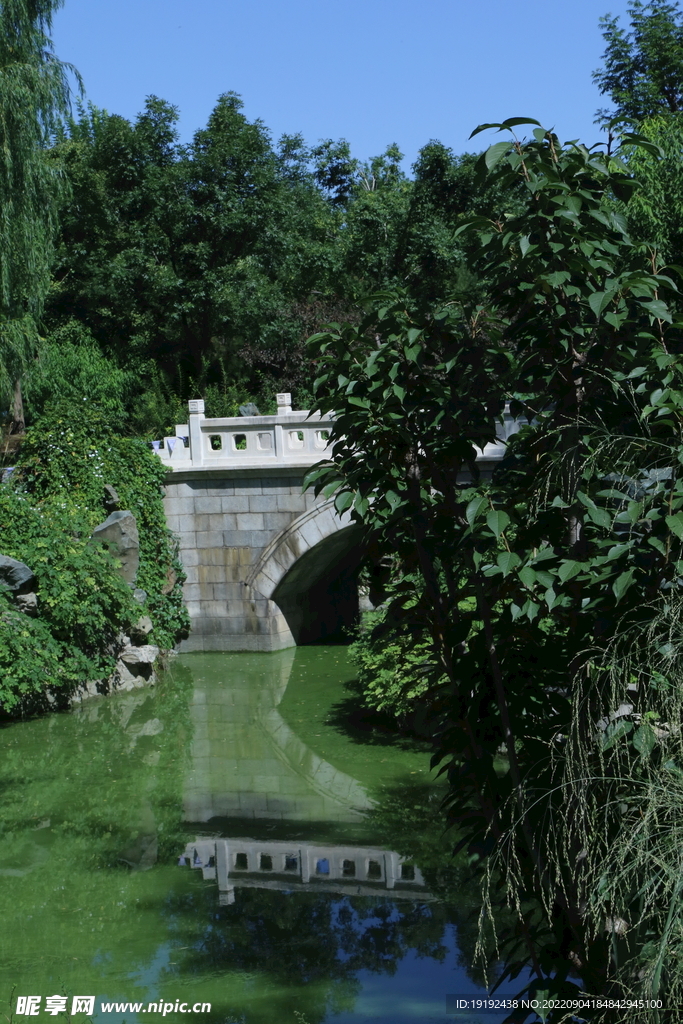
(225, 520)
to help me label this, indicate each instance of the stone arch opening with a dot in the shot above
(318, 595)
(310, 571)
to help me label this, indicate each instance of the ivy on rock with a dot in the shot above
(49, 506)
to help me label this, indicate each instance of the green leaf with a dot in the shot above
(494, 154)
(568, 569)
(658, 309)
(598, 300)
(343, 501)
(644, 740)
(474, 508)
(622, 583)
(546, 579)
(558, 278)
(615, 731)
(511, 122)
(543, 554)
(527, 576)
(675, 524)
(600, 517)
(497, 521)
(508, 560)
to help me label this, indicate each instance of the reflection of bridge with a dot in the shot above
(290, 866)
(246, 761)
(250, 773)
(267, 566)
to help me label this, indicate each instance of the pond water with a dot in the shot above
(240, 836)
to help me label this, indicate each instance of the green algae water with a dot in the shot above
(237, 836)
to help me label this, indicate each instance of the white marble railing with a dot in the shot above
(290, 438)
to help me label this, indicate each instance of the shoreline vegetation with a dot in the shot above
(86, 612)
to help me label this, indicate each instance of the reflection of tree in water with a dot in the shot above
(313, 944)
(410, 820)
(85, 797)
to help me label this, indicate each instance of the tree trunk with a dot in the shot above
(18, 423)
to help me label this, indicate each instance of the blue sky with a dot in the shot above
(372, 71)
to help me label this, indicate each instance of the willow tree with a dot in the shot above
(34, 96)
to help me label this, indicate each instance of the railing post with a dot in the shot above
(284, 406)
(284, 403)
(196, 417)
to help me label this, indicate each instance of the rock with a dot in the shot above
(141, 630)
(112, 502)
(171, 579)
(126, 680)
(140, 595)
(27, 603)
(145, 655)
(141, 854)
(135, 666)
(150, 728)
(249, 410)
(120, 533)
(16, 576)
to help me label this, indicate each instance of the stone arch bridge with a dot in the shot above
(268, 566)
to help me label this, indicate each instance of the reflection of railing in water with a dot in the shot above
(271, 864)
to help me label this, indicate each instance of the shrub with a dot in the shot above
(72, 369)
(395, 668)
(48, 509)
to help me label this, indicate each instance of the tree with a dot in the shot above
(655, 211)
(34, 95)
(643, 68)
(193, 257)
(551, 595)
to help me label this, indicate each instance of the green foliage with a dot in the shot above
(34, 94)
(67, 461)
(551, 593)
(204, 267)
(189, 256)
(48, 509)
(653, 212)
(643, 69)
(390, 668)
(83, 603)
(71, 369)
(33, 663)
